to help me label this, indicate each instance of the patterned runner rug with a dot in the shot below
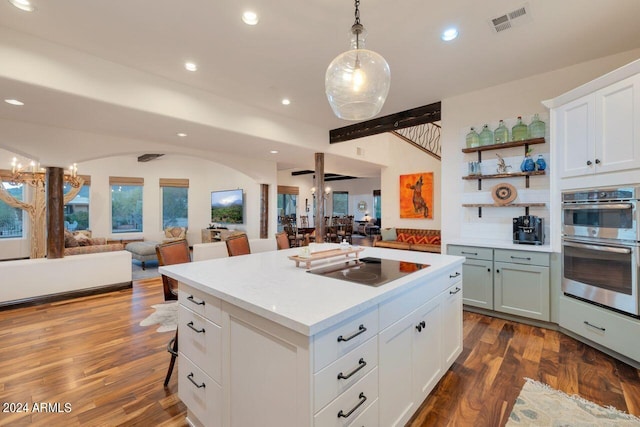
(540, 405)
(165, 315)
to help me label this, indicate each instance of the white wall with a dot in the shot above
(406, 159)
(204, 176)
(521, 97)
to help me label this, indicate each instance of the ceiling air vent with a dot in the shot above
(520, 16)
(148, 157)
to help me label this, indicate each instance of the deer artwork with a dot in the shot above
(419, 205)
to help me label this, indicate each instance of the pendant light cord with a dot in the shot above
(356, 28)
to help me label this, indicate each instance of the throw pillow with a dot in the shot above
(434, 240)
(406, 238)
(69, 240)
(83, 240)
(388, 234)
(86, 233)
(422, 240)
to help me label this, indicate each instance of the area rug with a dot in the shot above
(540, 405)
(165, 315)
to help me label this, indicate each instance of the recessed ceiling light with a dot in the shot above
(190, 66)
(13, 102)
(181, 134)
(286, 101)
(449, 34)
(23, 5)
(274, 151)
(250, 18)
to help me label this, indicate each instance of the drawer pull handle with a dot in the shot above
(190, 378)
(420, 326)
(455, 292)
(193, 300)
(594, 326)
(199, 331)
(526, 258)
(469, 253)
(361, 364)
(451, 276)
(362, 398)
(361, 330)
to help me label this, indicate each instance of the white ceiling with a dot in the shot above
(287, 53)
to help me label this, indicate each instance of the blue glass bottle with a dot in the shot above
(540, 163)
(527, 165)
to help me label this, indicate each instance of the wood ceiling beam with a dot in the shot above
(416, 116)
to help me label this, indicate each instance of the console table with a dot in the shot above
(214, 234)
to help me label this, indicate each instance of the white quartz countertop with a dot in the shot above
(499, 244)
(270, 285)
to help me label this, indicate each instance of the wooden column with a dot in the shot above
(55, 212)
(264, 211)
(318, 182)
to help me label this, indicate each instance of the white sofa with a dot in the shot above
(29, 280)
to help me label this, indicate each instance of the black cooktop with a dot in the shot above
(369, 271)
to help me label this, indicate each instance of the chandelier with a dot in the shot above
(357, 81)
(34, 174)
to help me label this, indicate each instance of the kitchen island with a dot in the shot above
(265, 343)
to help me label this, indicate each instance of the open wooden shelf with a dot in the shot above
(505, 145)
(526, 206)
(504, 175)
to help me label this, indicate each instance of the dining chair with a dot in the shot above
(170, 253)
(238, 245)
(282, 240)
(294, 237)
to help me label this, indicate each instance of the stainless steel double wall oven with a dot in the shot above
(600, 246)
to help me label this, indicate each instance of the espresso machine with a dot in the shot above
(528, 230)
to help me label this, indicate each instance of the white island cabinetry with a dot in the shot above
(325, 353)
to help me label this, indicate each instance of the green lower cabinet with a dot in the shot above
(477, 289)
(522, 290)
(510, 281)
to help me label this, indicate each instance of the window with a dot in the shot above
(11, 219)
(76, 212)
(377, 205)
(175, 202)
(340, 203)
(287, 202)
(126, 204)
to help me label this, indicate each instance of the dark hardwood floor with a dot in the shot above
(92, 353)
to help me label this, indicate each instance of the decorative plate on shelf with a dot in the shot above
(504, 193)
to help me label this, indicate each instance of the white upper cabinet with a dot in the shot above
(600, 132)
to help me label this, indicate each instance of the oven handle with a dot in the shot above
(597, 247)
(592, 206)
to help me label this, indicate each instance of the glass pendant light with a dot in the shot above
(357, 81)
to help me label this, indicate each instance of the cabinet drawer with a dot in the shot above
(369, 418)
(522, 257)
(201, 394)
(200, 340)
(330, 381)
(350, 404)
(205, 305)
(339, 340)
(471, 252)
(601, 326)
